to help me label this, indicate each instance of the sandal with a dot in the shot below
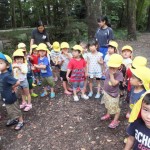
(19, 126)
(113, 124)
(28, 107)
(105, 117)
(23, 105)
(68, 93)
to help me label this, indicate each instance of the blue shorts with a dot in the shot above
(103, 50)
(24, 84)
(75, 85)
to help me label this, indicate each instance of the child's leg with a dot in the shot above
(91, 85)
(98, 85)
(27, 94)
(85, 84)
(116, 116)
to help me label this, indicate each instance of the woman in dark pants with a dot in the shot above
(39, 35)
(104, 34)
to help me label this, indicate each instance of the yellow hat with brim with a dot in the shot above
(127, 47)
(64, 45)
(34, 46)
(56, 46)
(113, 44)
(42, 47)
(143, 73)
(18, 52)
(139, 61)
(8, 59)
(77, 47)
(137, 108)
(115, 61)
(21, 45)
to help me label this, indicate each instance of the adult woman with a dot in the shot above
(104, 34)
(39, 35)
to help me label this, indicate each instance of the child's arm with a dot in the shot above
(15, 85)
(40, 66)
(67, 75)
(130, 142)
(101, 61)
(112, 79)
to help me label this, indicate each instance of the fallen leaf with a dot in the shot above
(19, 136)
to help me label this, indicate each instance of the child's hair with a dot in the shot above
(83, 43)
(92, 42)
(104, 18)
(19, 57)
(115, 50)
(146, 99)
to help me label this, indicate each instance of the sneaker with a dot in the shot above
(52, 95)
(33, 84)
(97, 95)
(4, 105)
(19, 126)
(34, 95)
(28, 107)
(90, 94)
(23, 105)
(11, 122)
(39, 83)
(105, 117)
(76, 98)
(113, 124)
(84, 97)
(44, 94)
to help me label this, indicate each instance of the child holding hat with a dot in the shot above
(46, 73)
(111, 89)
(8, 85)
(55, 59)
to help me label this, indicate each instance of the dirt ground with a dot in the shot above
(62, 124)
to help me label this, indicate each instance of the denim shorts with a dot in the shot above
(75, 85)
(24, 84)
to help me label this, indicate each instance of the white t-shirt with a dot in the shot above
(127, 61)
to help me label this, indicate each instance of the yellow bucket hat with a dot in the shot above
(115, 61)
(56, 46)
(64, 45)
(143, 73)
(34, 46)
(43, 47)
(139, 61)
(21, 45)
(113, 43)
(77, 47)
(137, 108)
(127, 47)
(18, 52)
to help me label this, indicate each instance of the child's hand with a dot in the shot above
(112, 72)
(35, 66)
(68, 78)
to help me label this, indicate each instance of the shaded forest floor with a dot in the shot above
(62, 124)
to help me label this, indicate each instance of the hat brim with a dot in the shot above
(56, 49)
(113, 65)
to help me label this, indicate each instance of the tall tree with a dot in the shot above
(131, 16)
(94, 10)
(21, 12)
(13, 13)
(148, 20)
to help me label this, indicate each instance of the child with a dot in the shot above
(46, 73)
(139, 129)
(139, 83)
(127, 52)
(111, 89)
(78, 67)
(84, 46)
(55, 59)
(64, 60)
(34, 60)
(95, 61)
(8, 85)
(112, 48)
(20, 73)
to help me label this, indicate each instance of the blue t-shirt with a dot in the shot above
(45, 72)
(141, 133)
(6, 83)
(134, 97)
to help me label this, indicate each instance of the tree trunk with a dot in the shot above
(13, 13)
(148, 20)
(94, 11)
(131, 16)
(21, 13)
(48, 12)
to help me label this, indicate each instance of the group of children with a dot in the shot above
(122, 75)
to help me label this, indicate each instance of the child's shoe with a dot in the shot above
(70, 89)
(33, 84)
(113, 124)
(67, 92)
(28, 107)
(76, 99)
(44, 94)
(19, 126)
(97, 95)
(90, 94)
(11, 122)
(84, 97)
(105, 117)
(34, 95)
(52, 95)
(23, 105)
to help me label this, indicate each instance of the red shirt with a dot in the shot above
(129, 75)
(78, 70)
(35, 61)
